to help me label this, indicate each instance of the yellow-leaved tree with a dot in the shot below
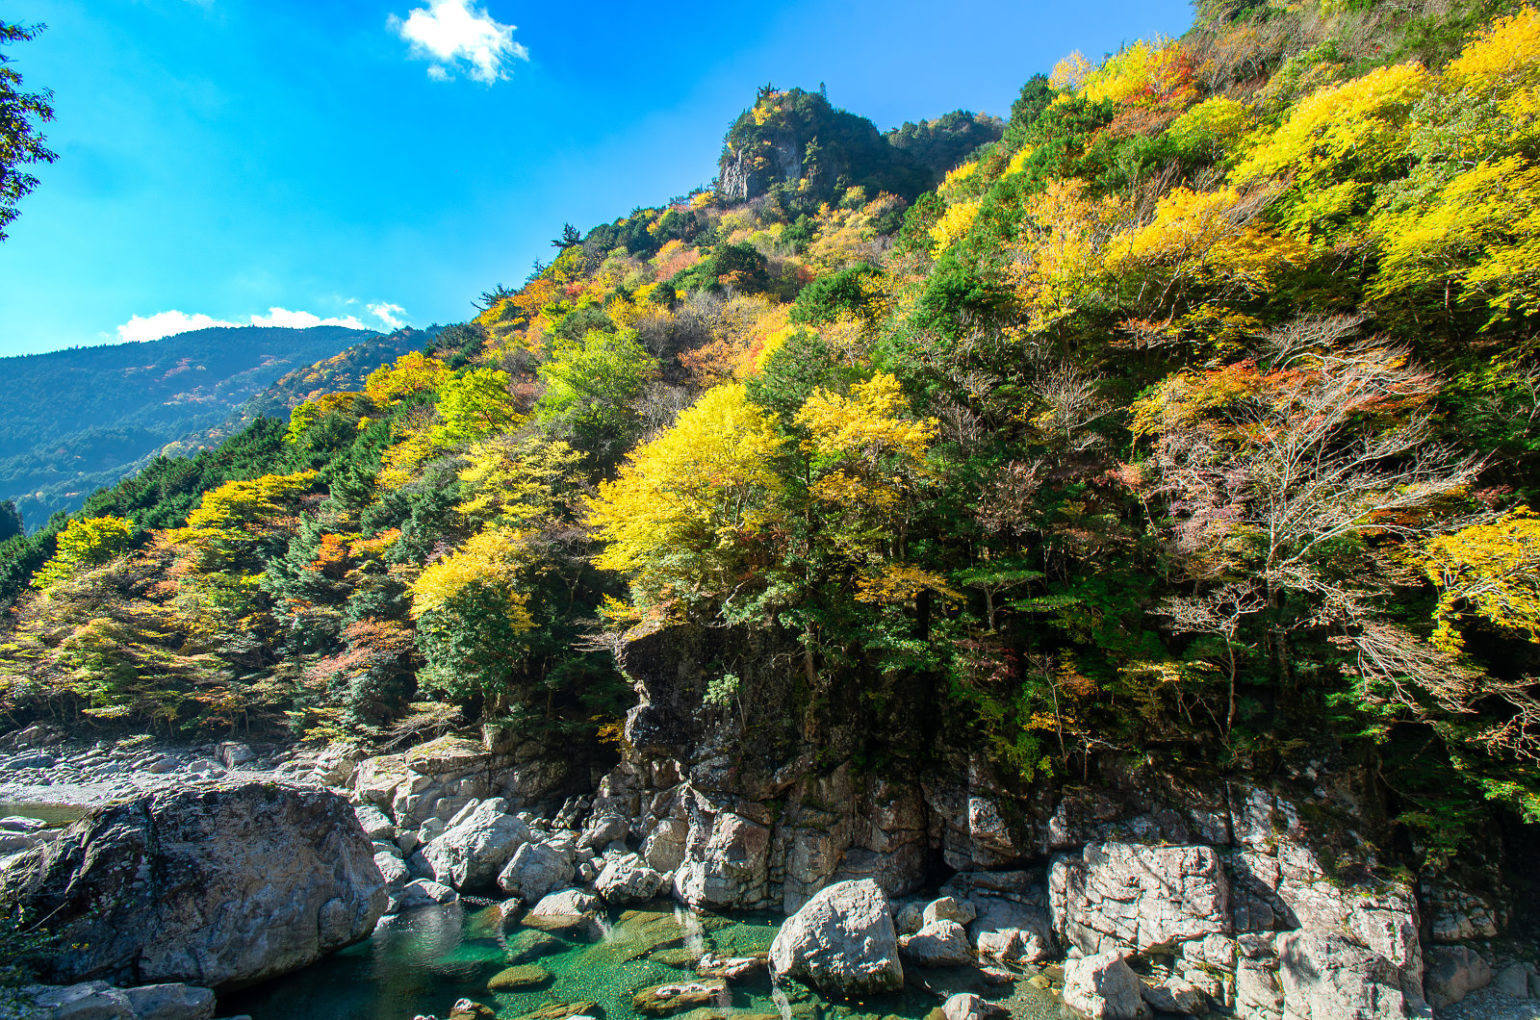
(1491, 571)
(1464, 228)
(690, 515)
(472, 611)
(86, 542)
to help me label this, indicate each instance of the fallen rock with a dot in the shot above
(97, 1000)
(1512, 981)
(1175, 996)
(604, 830)
(572, 910)
(1010, 931)
(676, 997)
(534, 871)
(841, 942)
(469, 1009)
(233, 754)
(948, 908)
(1453, 972)
(627, 880)
(733, 968)
(424, 892)
(1103, 987)
(219, 886)
(474, 848)
(663, 849)
(375, 823)
(937, 944)
(966, 1006)
(392, 870)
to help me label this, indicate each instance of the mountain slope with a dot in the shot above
(72, 421)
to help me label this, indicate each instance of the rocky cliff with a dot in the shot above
(1271, 898)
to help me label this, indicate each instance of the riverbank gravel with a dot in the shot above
(1490, 1004)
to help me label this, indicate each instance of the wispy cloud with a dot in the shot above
(162, 324)
(153, 327)
(390, 315)
(303, 320)
(459, 32)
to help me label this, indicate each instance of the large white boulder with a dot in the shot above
(213, 886)
(1103, 987)
(478, 842)
(841, 942)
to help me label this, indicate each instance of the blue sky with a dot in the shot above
(388, 160)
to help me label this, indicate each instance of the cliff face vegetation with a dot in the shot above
(1192, 415)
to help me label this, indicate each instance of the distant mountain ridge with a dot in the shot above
(72, 421)
(343, 371)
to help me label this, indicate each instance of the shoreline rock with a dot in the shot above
(222, 886)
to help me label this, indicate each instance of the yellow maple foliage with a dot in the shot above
(684, 502)
(1491, 571)
(492, 558)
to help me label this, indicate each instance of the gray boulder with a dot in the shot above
(626, 880)
(97, 1000)
(1453, 973)
(604, 830)
(937, 944)
(1010, 931)
(1103, 987)
(392, 870)
(1512, 981)
(841, 942)
(1175, 996)
(534, 871)
(218, 886)
(375, 823)
(949, 908)
(966, 1006)
(663, 848)
(1329, 976)
(476, 845)
(567, 903)
(424, 892)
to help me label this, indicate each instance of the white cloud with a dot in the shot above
(141, 328)
(388, 314)
(302, 320)
(153, 327)
(459, 31)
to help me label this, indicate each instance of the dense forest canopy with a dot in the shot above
(1194, 414)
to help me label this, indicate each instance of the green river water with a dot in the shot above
(421, 962)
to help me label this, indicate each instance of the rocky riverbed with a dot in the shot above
(1143, 893)
(42, 765)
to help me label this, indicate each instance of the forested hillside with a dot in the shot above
(1193, 416)
(344, 370)
(72, 421)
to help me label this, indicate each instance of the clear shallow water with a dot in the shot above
(422, 961)
(56, 815)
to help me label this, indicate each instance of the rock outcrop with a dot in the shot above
(97, 1000)
(1103, 987)
(476, 845)
(841, 942)
(217, 887)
